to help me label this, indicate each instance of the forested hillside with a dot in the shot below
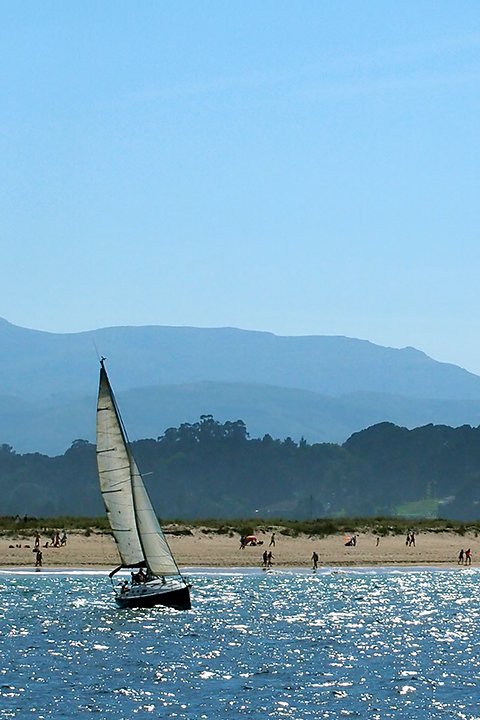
(209, 469)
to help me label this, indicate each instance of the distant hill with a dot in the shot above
(324, 388)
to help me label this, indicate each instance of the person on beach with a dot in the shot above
(272, 540)
(468, 557)
(37, 541)
(265, 558)
(410, 539)
(460, 557)
(270, 557)
(63, 540)
(314, 560)
(38, 559)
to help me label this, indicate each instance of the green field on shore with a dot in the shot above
(381, 526)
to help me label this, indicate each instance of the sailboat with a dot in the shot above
(140, 540)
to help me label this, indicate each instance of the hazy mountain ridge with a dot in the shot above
(324, 388)
(35, 363)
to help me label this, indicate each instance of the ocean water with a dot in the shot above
(356, 643)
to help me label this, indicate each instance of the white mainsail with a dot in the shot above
(135, 527)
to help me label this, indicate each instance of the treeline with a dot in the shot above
(210, 469)
(320, 527)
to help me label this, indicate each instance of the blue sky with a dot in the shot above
(295, 167)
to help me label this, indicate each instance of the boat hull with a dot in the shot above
(178, 599)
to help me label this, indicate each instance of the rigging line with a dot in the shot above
(96, 349)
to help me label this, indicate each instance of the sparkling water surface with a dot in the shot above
(363, 643)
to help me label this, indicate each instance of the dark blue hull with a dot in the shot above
(176, 599)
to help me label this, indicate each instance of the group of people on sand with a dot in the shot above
(55, 541)
(249, 540)
(252, 540)
(268, 557)
(465, 557)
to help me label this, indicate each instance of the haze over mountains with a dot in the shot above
(322, 387)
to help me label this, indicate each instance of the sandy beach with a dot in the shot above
(206, 548)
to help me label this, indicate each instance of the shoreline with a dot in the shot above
(326, 570)
(213, 569)
(203, 548)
